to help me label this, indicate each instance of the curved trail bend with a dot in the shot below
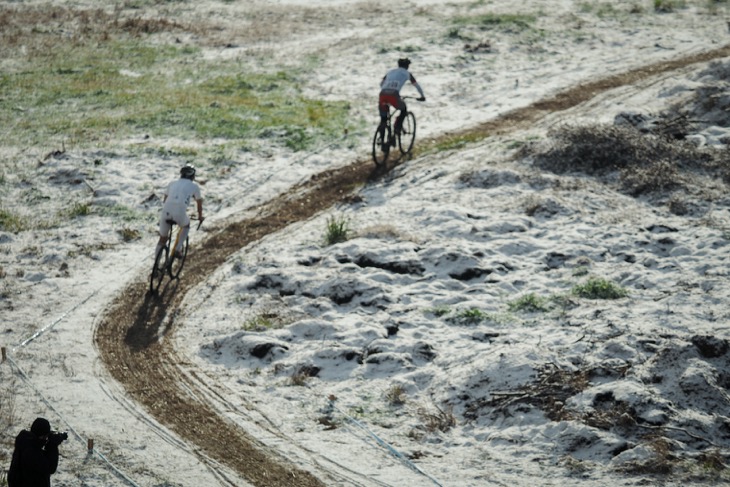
(127, 336)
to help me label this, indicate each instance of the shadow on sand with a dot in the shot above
(149, 324)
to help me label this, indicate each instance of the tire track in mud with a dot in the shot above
(128, 335)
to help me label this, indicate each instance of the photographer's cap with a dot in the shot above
(40, 427)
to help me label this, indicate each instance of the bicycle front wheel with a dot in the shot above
(158, 270)
(177, 263)
(381, 146)
(407, 135)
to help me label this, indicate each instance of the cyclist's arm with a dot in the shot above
(420, 91)
(199, 203)
(418, 87)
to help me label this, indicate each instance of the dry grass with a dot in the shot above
(548, 392)
(8, 417)
(662, 463)
(666, 462)
(383, 230)
(602, 149)
(637, 163)
(302, 374)
(37, 29)
(396, 395)
(437, 419)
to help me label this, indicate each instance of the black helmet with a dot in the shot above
(404, 62)
(187, 171)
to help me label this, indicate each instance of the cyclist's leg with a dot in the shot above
(403, 109)
(184, 230)
(180, 216)
(160, 243)
(164, 231)
(383, 108)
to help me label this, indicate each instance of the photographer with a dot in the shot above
(35, 456)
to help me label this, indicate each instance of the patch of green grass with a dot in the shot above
(176, 152)
(439, 311)
(600, 9)
(471, 316)
(337, 231)
(401, 49)
(258, 323)
(129, 234)
(78, 209)
(10, 222)
(265, 320)
(121, 212)
(599, 288)
(514, 144)
(455, 33)
(505, 21)
(668, 5)
(529, 303)
(456, 142)
(14, 222)
(122, 87)
(581, 270)
(245, 106)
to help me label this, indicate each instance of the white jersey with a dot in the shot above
(396, 78)
(177, 198)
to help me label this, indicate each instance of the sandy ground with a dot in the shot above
(73, 361)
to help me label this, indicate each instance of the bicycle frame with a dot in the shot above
(166, 260)
(404, 139)
(177, 236)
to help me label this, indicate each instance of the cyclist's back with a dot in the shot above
(390, 87)
(176, 198)
(395, 79)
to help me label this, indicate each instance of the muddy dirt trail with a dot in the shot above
(128, 335)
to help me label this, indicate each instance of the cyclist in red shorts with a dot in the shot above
(390, 88)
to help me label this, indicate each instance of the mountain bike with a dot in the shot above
(168, 262)
(386, 138)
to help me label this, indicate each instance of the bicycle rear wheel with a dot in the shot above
(381, 146)
(407, 135)
(158, 269)
(177, 263)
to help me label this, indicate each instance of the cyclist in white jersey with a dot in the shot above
(176, 199)
(390, 87)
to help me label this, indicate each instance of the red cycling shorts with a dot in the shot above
(390, 98)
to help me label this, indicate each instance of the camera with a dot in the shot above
(56, 438)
